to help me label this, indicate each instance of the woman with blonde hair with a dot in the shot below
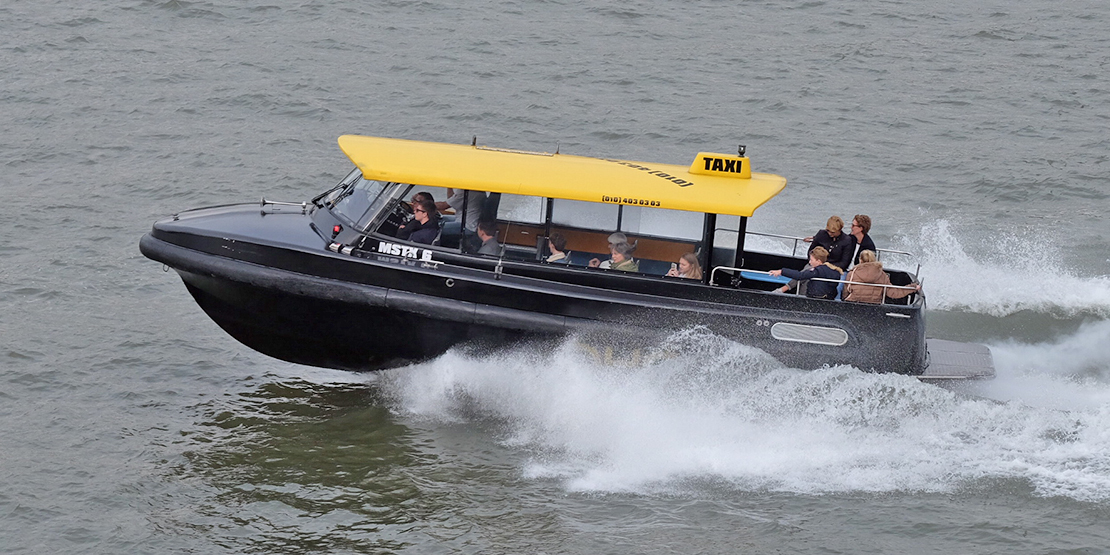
(688, 267)
(870, 270)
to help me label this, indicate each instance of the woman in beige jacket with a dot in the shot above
(870, 270)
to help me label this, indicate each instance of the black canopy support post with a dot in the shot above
(739, 260)
(706, 257)
(541, 242)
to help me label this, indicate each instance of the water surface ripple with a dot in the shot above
(973, 134)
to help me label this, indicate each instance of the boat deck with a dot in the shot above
(952, 360)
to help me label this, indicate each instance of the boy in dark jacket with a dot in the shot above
(817, 289)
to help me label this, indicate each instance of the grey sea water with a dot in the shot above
(974, 134)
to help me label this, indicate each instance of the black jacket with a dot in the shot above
(840, 249)
(817, 289)
(418, 232)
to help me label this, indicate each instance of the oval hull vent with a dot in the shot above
(809, 334)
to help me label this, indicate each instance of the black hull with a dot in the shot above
(325, 316)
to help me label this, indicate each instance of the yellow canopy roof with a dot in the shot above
(714, 183)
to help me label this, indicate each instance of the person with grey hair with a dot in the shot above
(615, 239)
(622, 258)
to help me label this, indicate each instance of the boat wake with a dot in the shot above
(703, 408)
(1011, 276)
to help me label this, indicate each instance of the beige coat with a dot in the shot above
(871, 272)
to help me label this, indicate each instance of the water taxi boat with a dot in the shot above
(330, 282)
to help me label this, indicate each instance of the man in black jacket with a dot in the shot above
(424, 225)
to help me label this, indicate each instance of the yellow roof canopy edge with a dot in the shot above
(737, 191)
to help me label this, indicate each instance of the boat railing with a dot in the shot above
(798, 290)
(801, 240)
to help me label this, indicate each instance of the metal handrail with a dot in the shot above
(796, 239)
(798, 290)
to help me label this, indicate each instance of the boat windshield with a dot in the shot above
(359, 201)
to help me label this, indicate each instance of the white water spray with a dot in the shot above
(705, 408)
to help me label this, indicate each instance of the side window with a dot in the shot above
(638, 220)
(523, 209)
(587, 215)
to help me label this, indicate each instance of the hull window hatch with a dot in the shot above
(809, 334)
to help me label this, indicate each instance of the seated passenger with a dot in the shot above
(424, 225)
(487, 233)
(819, 268)
(688, 267)
(615, 239)
(622, 258)
(861, 226)
(870, 270)
(838, 245)
(835, 242)
(557, 244)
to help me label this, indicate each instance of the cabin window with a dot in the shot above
(524, 209)
(361, 201)
(522, 224)
(638, 220)
(585, 215)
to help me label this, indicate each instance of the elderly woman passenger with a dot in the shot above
(622, 258)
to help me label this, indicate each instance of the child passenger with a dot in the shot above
(818, 289)
(688, 267)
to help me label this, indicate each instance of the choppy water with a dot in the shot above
(974, 135)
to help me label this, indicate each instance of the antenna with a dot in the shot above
(474, 141)
(741, 149)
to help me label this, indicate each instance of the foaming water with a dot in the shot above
(705, 408)
(1009, 277)
(1070, 373)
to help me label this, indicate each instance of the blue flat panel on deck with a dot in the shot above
(764, 277)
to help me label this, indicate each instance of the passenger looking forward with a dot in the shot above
(861, 226)
(487, 233)
(870, 270)
(557, 244)
(818, 268)
(424, 225)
